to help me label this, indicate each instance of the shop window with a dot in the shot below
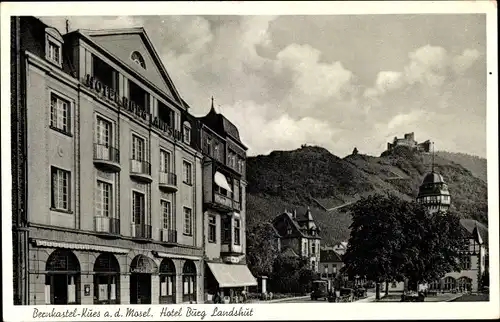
(62, 280)
(106, 279)
(167, 281)
(189, 282)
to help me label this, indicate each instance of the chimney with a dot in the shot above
(295, 214)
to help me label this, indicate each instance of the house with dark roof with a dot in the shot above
(299, 236)
(330, 263)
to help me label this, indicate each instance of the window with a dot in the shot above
(208, 148)
(103, 199)
(217, 151)
(137, 58)
(187, 169)
(226, 231)
(164, 161)
(188, 221)
(313, 250)
(165, 114)
(186, 131)
(166, 210)
(59, 113)
(212, 228)
(237, 230)
(138, 208)
(138, 152)
(465, 262)
(103, 132)
(60, 189)
(104, 73)
(236, 190)
(54, 52)
(139, 96)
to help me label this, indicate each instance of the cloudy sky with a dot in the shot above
(334, 81)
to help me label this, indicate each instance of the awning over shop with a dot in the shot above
(221, 181)
(54, 244)
(168, 255)
(228, 275)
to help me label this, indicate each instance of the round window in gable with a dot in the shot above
(137, 57)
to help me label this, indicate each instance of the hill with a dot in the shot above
(312, 176)
(476, 165)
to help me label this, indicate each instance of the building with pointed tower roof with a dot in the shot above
(224, 206)
(435, 196)
(433, 193)
(299, 235)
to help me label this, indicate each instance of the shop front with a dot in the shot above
(142, 269)
(228, 281)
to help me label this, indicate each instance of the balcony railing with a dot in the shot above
(141, 170)
(109, 225)
(168, 180)
(141, 231)
(107, 156)
(168, 235)
(223, 200)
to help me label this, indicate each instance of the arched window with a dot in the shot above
(137, 58)
(167, 281)
(449, 283)
(436, 285)
(106, 279)
(464, 284)
(62, 281)
(189, 282)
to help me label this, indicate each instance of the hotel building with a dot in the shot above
(107, 177)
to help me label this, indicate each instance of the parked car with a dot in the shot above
(360, 292)
(320, 290)
(346, 294)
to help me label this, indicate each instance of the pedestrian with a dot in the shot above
(217, 298)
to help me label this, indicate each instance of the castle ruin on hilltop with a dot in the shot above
(409, 142)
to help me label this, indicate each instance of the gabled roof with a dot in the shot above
(329, 256)
(296, 232)
(290, 252)
(477, 230)
(113, 41)
(297, 227)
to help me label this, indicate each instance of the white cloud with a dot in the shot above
(313, 81)
(464, 61)
(263, 135)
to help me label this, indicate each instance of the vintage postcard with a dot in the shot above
(333, 160)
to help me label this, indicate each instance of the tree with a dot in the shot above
(375, 239)
(291, 275)
(395, 240)
(432, 244)
(261, 249)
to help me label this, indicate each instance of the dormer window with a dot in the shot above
(53, 46)
(186, 131)
(137, 58)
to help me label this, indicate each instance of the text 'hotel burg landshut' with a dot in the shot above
(120, 195)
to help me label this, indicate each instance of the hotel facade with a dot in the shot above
(108, 200)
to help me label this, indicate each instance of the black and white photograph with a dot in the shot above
(159, 157)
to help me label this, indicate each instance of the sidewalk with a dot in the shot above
(286, 299)
(370, 298)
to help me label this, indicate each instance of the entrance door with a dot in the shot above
(140, 288)
(60, 284)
